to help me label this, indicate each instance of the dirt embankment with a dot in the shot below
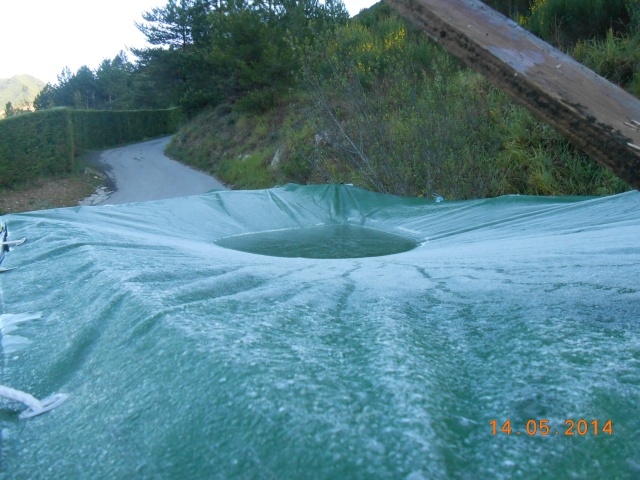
(45, 193)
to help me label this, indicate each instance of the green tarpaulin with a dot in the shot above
(185, 357)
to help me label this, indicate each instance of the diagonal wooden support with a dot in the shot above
(597, 116)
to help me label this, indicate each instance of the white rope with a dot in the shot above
(36, 407)
(14, 243)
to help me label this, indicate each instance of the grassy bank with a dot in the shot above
(380, 106)
(519, 155)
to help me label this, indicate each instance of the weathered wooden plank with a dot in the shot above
(596, 115)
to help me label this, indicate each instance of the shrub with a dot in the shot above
(565, 22)
(396, 114)
(615, 58)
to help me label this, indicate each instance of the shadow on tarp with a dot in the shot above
(186, 359)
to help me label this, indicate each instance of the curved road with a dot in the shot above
(141, 172)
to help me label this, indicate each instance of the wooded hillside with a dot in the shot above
(296, 91)
(20, 91)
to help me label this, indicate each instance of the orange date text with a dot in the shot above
(542, 427)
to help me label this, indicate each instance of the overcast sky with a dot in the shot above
(41, 37)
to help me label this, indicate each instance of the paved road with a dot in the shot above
(141, 172)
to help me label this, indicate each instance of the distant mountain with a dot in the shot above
(20, 90)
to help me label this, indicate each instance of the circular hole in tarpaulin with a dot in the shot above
(327, 241)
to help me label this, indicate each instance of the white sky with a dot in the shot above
(41, 37)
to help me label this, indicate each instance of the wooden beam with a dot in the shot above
(597, 116)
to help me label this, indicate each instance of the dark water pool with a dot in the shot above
(326, 241)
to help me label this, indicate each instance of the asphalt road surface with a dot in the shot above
(141, 172)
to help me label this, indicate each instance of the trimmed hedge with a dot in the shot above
(47, 142)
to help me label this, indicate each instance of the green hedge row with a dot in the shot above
(48, 141)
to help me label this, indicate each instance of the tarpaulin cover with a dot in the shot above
(184, 358)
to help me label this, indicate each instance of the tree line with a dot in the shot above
(203, 52)
(109, 87)
(207, 52)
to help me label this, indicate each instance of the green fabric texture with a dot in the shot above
(186, 358)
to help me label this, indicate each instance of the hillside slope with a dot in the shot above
(380, 106)
(20, 90)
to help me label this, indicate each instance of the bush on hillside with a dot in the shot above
(394, 113)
